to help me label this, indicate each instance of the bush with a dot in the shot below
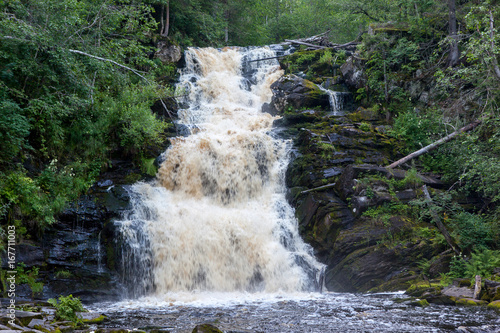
(483, 263)
(14, 127)
(67, 307)
(29, 277)
(472, 231)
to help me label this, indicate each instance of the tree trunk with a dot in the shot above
(454, 55)
(438, 222)
(492, 41)
(477, 287)
(165, 21)
(435, 144)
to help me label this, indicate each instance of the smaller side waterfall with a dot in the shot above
(339, 100)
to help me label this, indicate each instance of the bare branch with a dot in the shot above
(111, 61)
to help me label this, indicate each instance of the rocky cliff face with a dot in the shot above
(351, 209)
(78, 254)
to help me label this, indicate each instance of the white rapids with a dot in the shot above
(216, 219)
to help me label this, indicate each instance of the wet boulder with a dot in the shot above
(293, 92)
(168, 52)
(352, 71)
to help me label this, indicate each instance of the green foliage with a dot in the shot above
(472, 231)
(63, 274)
(364, 126)
(326, 58)
(62, 114)
(482, 262)
(148, 167)
(457, 267)
(67, 307)
(384, 212)
(129, 119)
(14, 127)
(29, 277)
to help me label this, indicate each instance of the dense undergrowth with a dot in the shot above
(64, 115)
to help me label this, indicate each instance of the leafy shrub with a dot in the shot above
(29, 277)
(326, 58)
(457, 267)
(67, 307)
(472, 231)
(14, 127)
(483, 263)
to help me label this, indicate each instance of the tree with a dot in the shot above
(454, 55)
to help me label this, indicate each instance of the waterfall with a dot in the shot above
(216, 217)
(337, 100)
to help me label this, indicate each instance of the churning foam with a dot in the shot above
(217, 219)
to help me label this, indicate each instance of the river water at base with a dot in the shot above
(300, 312)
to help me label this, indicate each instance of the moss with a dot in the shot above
(206, 328)
(97, 320)
(420, 302)
(470, 302)
(417, 289)
(494, 305)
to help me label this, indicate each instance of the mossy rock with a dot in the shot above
(96, 320)
(420, 302)
(494, 305)
(206, 328)
(470, 302)
(362, 114)
(418, 289)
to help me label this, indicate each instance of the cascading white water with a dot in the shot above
(336, 98)
(217, 219)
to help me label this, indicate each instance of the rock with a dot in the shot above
(353, 73)
(206, 328)
(91, 317)
(36, 322)
(470, 302)
(440, 265)
(420, 302)
(291, 91)
(458, 292)
(492, 290)
(361, 114)
(25, 317)
(168, 52)
(494, 305)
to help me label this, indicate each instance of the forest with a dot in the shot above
(79, 78)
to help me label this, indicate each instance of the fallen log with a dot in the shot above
(303, 43)
(336, 46)
(438, 222)
(435, 144)
(324, 187)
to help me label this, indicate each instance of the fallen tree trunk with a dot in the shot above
(438, 222)
(435, 144)
(303, 43)
(337, 46)
(324, 187)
